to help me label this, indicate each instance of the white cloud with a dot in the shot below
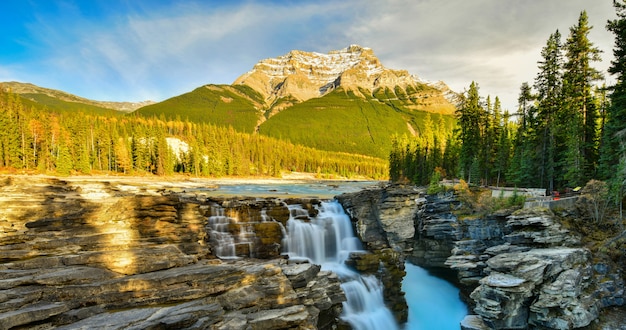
(495, 43)
(161, 54)
(158, 53)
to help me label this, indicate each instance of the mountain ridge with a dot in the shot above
(305, 75)
(344, 101)
(31, 91)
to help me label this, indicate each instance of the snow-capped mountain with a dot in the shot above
(305, 75)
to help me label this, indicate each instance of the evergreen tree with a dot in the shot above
(613, 147)
(523, 162)
(64, 159)
(580, 115)
(548, 84)
(612, 150)
(469, 114)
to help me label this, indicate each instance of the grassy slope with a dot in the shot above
(216, 104)
(56, 105)
(339, 121)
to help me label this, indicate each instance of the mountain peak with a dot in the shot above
(304, 75)
(354, 48)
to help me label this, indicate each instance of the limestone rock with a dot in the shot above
(541, 287)
(473, 322)
(384, 217)
(195, 314)
(125, 255)
(300, 75)
(539, 229)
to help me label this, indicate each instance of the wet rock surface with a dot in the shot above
(384, 220)
(516, 270)
(116, 255)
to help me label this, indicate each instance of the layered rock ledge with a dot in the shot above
(122, 255)
(516, 269)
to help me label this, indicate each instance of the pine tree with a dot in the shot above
(548, 84)
(580, 156)
(64, 159)
(613, 150)
(469, 113)
(523, 163)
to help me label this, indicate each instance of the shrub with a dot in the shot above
(516, 200)
(595, 199)
(435, 186)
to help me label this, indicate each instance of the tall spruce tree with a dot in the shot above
(613, 152)
(548, 85)
(580, 112)
(523, 163)
(469, 114)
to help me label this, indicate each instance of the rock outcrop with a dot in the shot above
(384, 220)
(299, 76)
(116, 255)
(516, 270)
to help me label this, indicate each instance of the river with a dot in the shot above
(328, 239)
(433, 303)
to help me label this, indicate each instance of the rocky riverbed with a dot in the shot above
(123, 254)
(517, 269)
(116, 254)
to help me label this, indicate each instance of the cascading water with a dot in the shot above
(328, 240)
(229, 235)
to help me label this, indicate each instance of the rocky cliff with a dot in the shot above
(516, 269)
(110, 254)
(304, 75)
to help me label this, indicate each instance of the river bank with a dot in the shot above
(85, 253)
(79, 250)
(225, 186)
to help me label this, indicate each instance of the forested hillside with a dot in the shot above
(33, 139)
(222, 105)
(568, 129)
(344, 101)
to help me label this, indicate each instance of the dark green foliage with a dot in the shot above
(470, 116)
(237, 106)
(360, 122)
(580, 113)
(66, 143)
(435, 186)
(478, 150)
(557, 140)
(549, 86)
(58, 105)
(342, 121)
(613, 148)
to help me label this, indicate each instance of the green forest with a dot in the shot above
(567, 130)
(40, 140)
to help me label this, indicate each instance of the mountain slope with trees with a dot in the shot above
(35, 139)
(344, 101)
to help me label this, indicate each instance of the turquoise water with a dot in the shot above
(319, 189)
(434, 304)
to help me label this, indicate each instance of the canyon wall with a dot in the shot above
(80, 253)
(517, 269)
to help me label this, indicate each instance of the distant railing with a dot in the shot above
(552, 202)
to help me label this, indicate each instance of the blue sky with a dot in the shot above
(133, 50)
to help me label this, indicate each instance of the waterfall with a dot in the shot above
(328, 239)
(232, 238)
